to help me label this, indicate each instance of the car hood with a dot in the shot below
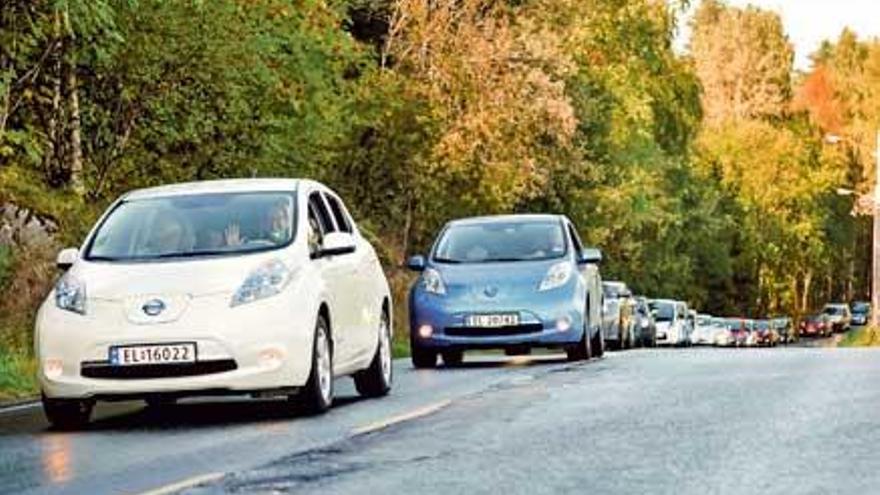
(190, 277)
(493, 278)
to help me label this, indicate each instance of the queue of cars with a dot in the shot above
(267, 287)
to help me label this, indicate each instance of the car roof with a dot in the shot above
(526, 217)
(664, 301)
(836, 305)
(216, 186)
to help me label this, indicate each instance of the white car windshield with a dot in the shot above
(194, 225)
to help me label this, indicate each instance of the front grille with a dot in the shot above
(101, 369)
(494, 332)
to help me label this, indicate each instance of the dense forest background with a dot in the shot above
(709, 176)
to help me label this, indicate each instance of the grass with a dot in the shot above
(18, 371)
(861, 337)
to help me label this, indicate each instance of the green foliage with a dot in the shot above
(418, 112)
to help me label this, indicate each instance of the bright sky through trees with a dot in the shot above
(809, 22)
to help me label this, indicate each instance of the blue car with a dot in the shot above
(512, 282)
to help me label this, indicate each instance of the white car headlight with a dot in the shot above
(432, 282)
(70, 294)
(557, 276)
(266, 280)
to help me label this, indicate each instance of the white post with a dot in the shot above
(875, 249)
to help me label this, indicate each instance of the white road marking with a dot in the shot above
(183, 485)
(408, 416)
(19, 407)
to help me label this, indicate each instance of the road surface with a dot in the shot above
(683, 421)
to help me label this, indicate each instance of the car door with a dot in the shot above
(365, 304)
(338, 274)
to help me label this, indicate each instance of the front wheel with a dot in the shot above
(317, 395)
(452, 359)
(582, 350)
(597, 344)
(68, 414)
(375, 381)
(423, 358)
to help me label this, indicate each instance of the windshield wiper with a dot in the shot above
(447, 260)
(191, 254)
(104, 258)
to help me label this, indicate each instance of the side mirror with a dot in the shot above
(66, 258)
(336, 243)
(416, 263)
(589, 256)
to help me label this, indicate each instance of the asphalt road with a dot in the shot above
(784, 420)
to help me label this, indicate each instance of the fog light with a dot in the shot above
(563, 323)
(425, 331)
(52, 368)
(271, 358)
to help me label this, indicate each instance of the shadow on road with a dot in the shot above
(494, 361)
(204, 414)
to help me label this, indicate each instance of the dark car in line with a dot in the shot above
(784, 328)
(816, 326)
(645, 326)
(861, 313)
(765, 333)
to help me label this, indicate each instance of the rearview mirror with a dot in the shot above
(337, 243)
(416, 263)
(590, 256)
(66, 258)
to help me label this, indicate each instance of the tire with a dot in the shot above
(423, 358)
(317, 396)
(68, 414)
(582, 350)
(452, 359)
(597, 345)
(376, 380)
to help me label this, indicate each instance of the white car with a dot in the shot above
(703, 332)
(256, 286)
(672, 325)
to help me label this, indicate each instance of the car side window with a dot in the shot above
(342, 221)
(321, 213)
(575, 239)
(319, 222)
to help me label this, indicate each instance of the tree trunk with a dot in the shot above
(75, 165)
(805, 296)
(53, 159)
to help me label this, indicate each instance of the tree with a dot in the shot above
(744, 61)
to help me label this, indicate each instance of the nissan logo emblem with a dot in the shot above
(153, 307)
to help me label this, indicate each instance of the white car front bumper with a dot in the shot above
(263, 345)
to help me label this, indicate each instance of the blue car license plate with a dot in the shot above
(493, 320)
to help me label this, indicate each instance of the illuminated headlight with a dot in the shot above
(557, 276)
(563, 323)
(70, 295)
(266, 280)
(432, 282)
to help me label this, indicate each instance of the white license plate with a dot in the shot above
(493, 320)
(131, 355)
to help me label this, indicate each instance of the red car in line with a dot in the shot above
(816, 326)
